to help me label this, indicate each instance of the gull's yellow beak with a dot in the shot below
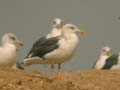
(81, 32)
(19, 43)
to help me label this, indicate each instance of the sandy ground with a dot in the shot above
(86, 80)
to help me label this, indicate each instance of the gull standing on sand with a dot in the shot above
(105, 53)
(8, 50)
(56, 50)
(56, 31)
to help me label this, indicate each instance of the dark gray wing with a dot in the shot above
(39, 42)
(40, 49)
(112, 60)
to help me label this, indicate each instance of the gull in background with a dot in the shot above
(105, 53)
(108, 61)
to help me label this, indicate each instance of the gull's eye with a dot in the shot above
(72, 28)
(13, 38)
(104, 50)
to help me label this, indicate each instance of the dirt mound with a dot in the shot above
(87, 80)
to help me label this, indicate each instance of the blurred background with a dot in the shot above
(31, 19)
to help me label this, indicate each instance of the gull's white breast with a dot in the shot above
(64, 52)
(7, 55)
(101, 62)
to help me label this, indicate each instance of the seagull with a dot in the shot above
(8, 50)
(56, 31)
(113, 62)
(105, 53)
(56, 50)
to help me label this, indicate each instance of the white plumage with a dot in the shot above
(8, 50)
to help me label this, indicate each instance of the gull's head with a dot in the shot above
(70, 28)
(106, 51)
(10, 38)
(57, 23)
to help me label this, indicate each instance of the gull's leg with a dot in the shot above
(59, 67)
(52, 68)
(59, 70)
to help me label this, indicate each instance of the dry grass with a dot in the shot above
(87, 80)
